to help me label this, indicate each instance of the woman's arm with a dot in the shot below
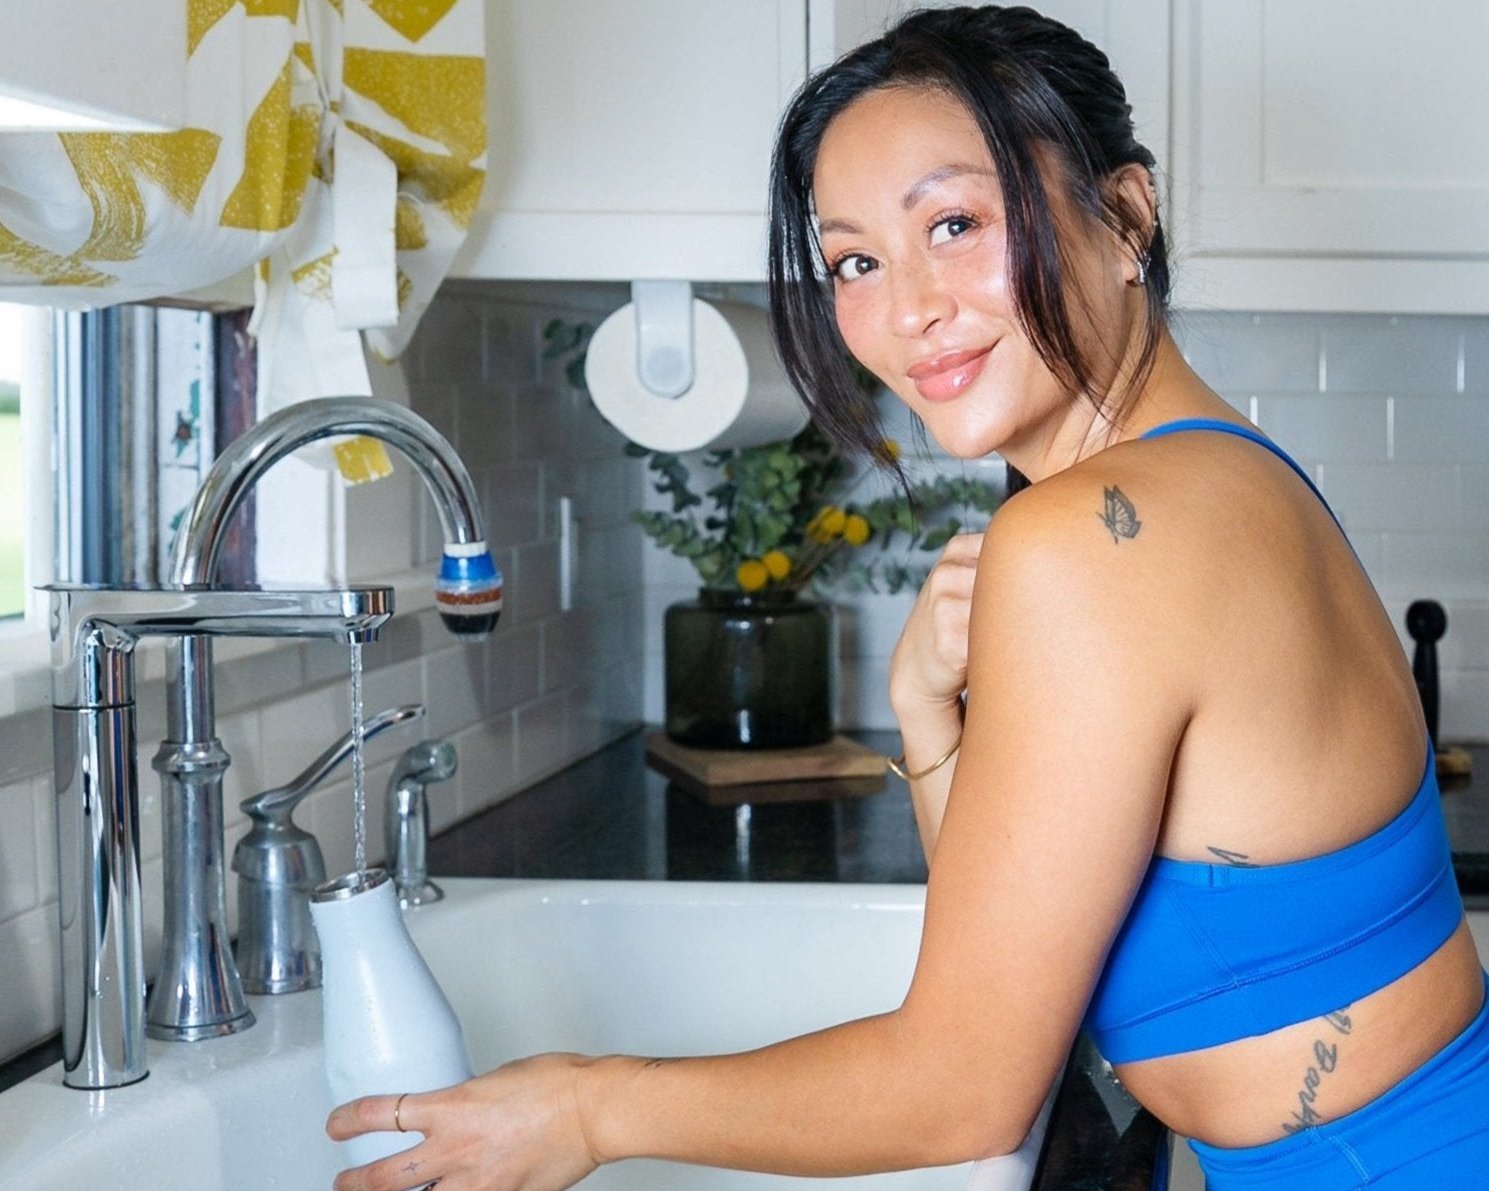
(927, 678)
(1071, 721)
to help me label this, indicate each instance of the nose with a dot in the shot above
(918, 299)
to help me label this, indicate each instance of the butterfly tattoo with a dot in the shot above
(1120, 518)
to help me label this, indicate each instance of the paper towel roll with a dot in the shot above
(740, 396)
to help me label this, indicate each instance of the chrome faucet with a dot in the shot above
(278, 863)
(197, 991)
(94, 631)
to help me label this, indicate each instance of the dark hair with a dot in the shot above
(1028, 81)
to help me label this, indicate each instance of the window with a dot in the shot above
(146, 398)
(12, 463)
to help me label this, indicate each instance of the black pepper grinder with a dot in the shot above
(1426, 622)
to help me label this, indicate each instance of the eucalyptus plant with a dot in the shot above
(787, 514)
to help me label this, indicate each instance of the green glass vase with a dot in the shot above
(749, 671)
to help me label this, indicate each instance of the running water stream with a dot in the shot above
(359, 777)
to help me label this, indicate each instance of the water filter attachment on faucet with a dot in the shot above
(468, 590)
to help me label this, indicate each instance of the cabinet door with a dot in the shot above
(1134, 34)
(81, 64)
(1331, 154)
(632, 138)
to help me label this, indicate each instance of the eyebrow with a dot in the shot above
(913, 195)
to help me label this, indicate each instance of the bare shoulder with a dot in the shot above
(1090, 525)
(1105, 556)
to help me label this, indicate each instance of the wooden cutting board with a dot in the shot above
(839, 767)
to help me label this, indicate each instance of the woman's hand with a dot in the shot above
(928, 671)
(517, 1128)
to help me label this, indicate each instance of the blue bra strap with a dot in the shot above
(1241, 432)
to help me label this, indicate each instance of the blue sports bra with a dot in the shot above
(1210, 953)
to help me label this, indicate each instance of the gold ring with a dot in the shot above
(397, 1109)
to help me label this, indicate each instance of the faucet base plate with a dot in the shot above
(216, 1029)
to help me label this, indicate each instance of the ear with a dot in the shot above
(1131, 193)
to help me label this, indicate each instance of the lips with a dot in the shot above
(946, 376)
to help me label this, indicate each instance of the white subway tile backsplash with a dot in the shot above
(542, 737)
(1326, 427)
(1473, 497)
(487, 763)
(566, 649)
(1443, 430)
(19, 878)
(46, 840)
(1440, 565)
(25, 744)
(533, 591)
(513, 497)
(1476, 356)
(1400, 497)
(1238, 353)
(1402, 355)
(515, 666)
(30, 1007)
(1464, 713)
(455, 686)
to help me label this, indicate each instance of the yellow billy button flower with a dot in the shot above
(752, 575)
(891, 449)
(777, 563)
(833, 520)
(855, 530)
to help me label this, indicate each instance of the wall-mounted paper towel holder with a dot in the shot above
(664, 335)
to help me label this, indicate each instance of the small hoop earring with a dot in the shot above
(1142, 268)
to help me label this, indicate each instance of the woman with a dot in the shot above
(1168, 762)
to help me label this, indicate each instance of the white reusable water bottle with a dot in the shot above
(387, 1027)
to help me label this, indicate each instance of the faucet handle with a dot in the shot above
(274, 807)
(278, 864)
(406, 819)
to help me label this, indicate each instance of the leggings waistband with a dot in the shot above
(1443, 1101)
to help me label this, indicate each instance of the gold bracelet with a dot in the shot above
(898, 763)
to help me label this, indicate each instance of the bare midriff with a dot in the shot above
(1260, 1089)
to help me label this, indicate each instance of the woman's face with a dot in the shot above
(913, 235)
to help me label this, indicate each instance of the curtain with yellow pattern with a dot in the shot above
(337, 147)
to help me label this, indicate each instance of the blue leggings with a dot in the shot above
(1429, 1131)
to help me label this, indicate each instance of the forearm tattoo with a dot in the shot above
(1325, 1062)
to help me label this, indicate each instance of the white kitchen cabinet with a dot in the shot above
(1133, 33)
(1332, 154)
(632, 138)
(84, 65)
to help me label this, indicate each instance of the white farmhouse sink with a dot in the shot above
(651, 968)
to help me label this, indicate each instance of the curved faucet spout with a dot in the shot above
(197, 993)
(246, 459)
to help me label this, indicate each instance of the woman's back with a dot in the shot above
(1304, 736)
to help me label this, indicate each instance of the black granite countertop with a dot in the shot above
(611, 816)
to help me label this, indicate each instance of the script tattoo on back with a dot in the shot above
(1234, 859)
(1325, 1062)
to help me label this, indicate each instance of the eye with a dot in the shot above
(949, 227)
(852, 265)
